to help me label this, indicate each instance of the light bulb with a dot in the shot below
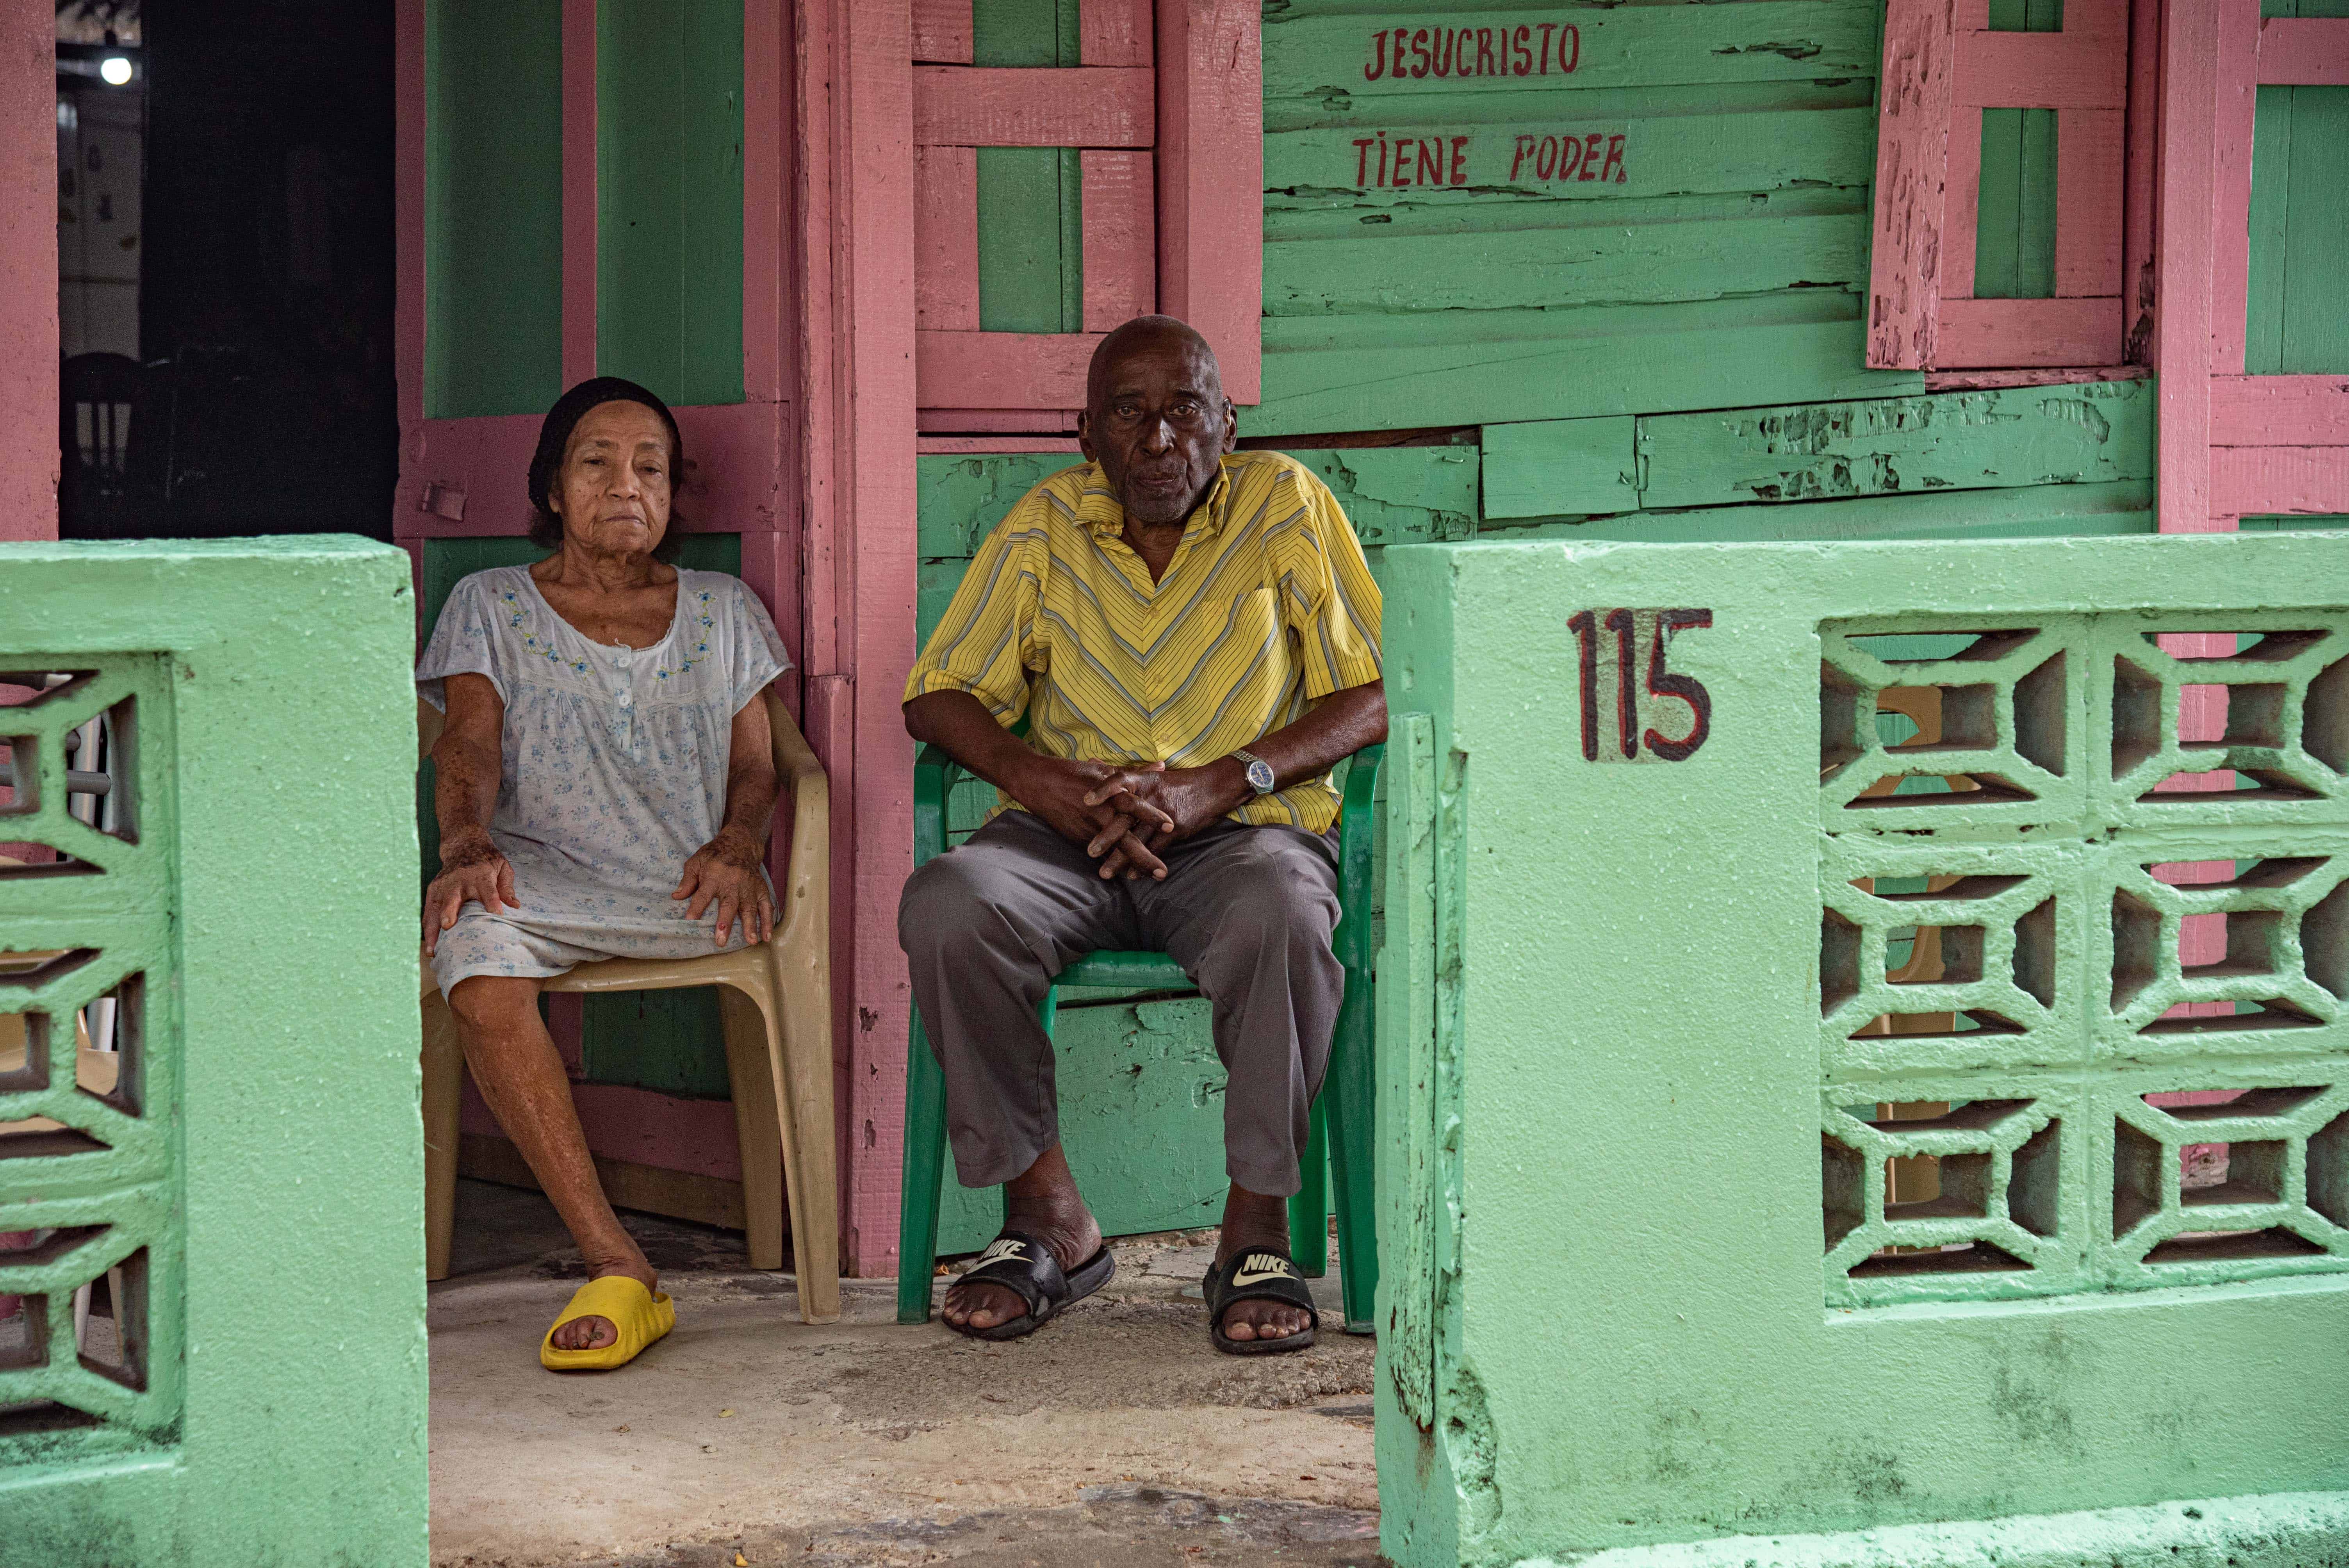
(114, 69)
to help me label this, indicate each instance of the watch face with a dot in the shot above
(1259, 776)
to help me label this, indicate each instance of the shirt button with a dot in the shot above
(627, 698)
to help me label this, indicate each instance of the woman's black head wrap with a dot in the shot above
(554, 439)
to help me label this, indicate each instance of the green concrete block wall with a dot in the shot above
(257, 1172)
(1640, 1302)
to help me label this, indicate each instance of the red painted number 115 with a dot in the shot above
(1613, 731)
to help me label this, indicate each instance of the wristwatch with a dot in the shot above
(1259, 771)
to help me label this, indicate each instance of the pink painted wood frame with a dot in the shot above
(463, 477)
(1193, 201)
(2232, 444)
(28, 271)
(853, 269)
(1942, 66)
(1083, 106)
(1211, 180)
(1912, 162)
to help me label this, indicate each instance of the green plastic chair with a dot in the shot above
(1343, 1114)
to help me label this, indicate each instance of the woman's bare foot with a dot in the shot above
(1044, 1202)
(595, 1333)
(1255, 1220)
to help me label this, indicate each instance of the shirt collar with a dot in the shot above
(1099, 509)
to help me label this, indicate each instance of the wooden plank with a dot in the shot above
(2189, 118)
(1912, 172)
(2035, 209)
(2143, 121)
(946, 237)
(1573, 159)
(2280, 410)
(679, 1195)
(1002, 369)
(1211, 178)
(669, 197)
(737, 484)
(942, 32)
(1121, 238)
(24, 280)
(2010, 332)
(2097, 434)
(2038, 512)
(2090, 183)
(2237, 105)
(2060, 376)
(1760, 40)
(2315, 326)
(494, 208)
(1555, 468)
(1023, 268)
(2278, 480)
(765, 157)
(1961, 221)
(1592, 263)
(2312, 52)
(1085, 106)
(1114, 32)
(2269, 226)
(578, 190)
(2040, 70)
(1616, 361)
(1038, 420)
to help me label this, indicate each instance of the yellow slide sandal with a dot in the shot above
(641, 1316)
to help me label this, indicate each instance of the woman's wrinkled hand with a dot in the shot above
(725, 872)
(471, 872)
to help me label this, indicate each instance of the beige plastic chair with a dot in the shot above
(775, 1003)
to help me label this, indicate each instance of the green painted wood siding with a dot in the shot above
(668, 212)
(2300, 222)
(2014, 227)
(663, 1040)
(1031, 273)
(493, 207)
(1628, 210)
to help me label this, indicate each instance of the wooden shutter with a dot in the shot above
(2234, 444)
(1164, 111)
(1943, 67)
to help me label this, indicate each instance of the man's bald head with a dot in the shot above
(1156, 418)
(1147, 335)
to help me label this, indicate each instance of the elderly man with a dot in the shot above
(1192, 635)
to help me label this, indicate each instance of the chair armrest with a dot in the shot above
(1357, 833)
(806, 895)
(936, 773)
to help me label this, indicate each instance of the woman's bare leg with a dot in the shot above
(521, 1074)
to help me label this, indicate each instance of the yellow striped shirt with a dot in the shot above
(1057, 620)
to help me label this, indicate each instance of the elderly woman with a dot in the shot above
(605, 783)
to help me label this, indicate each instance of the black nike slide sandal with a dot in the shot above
(1258, 1274)
(1024, 1266)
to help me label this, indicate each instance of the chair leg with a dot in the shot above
(803, 1078)
(444, 1080)
(924, 1170)
(1308, 1207)
(758, 1122)
(1351, 1094)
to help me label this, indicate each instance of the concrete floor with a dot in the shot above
(1115, 1436)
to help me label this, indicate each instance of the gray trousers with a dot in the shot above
(1247, 911)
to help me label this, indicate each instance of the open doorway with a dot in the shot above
(224, 227)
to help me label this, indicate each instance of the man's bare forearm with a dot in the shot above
(961, 724)
(1339, 726)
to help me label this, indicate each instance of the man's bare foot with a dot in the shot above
(1255, 1220)
(595, 1333)
(1044, 1202)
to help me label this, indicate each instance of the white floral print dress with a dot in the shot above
(614, 770)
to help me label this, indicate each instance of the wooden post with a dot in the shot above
(28, 270)
(1912, 169)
